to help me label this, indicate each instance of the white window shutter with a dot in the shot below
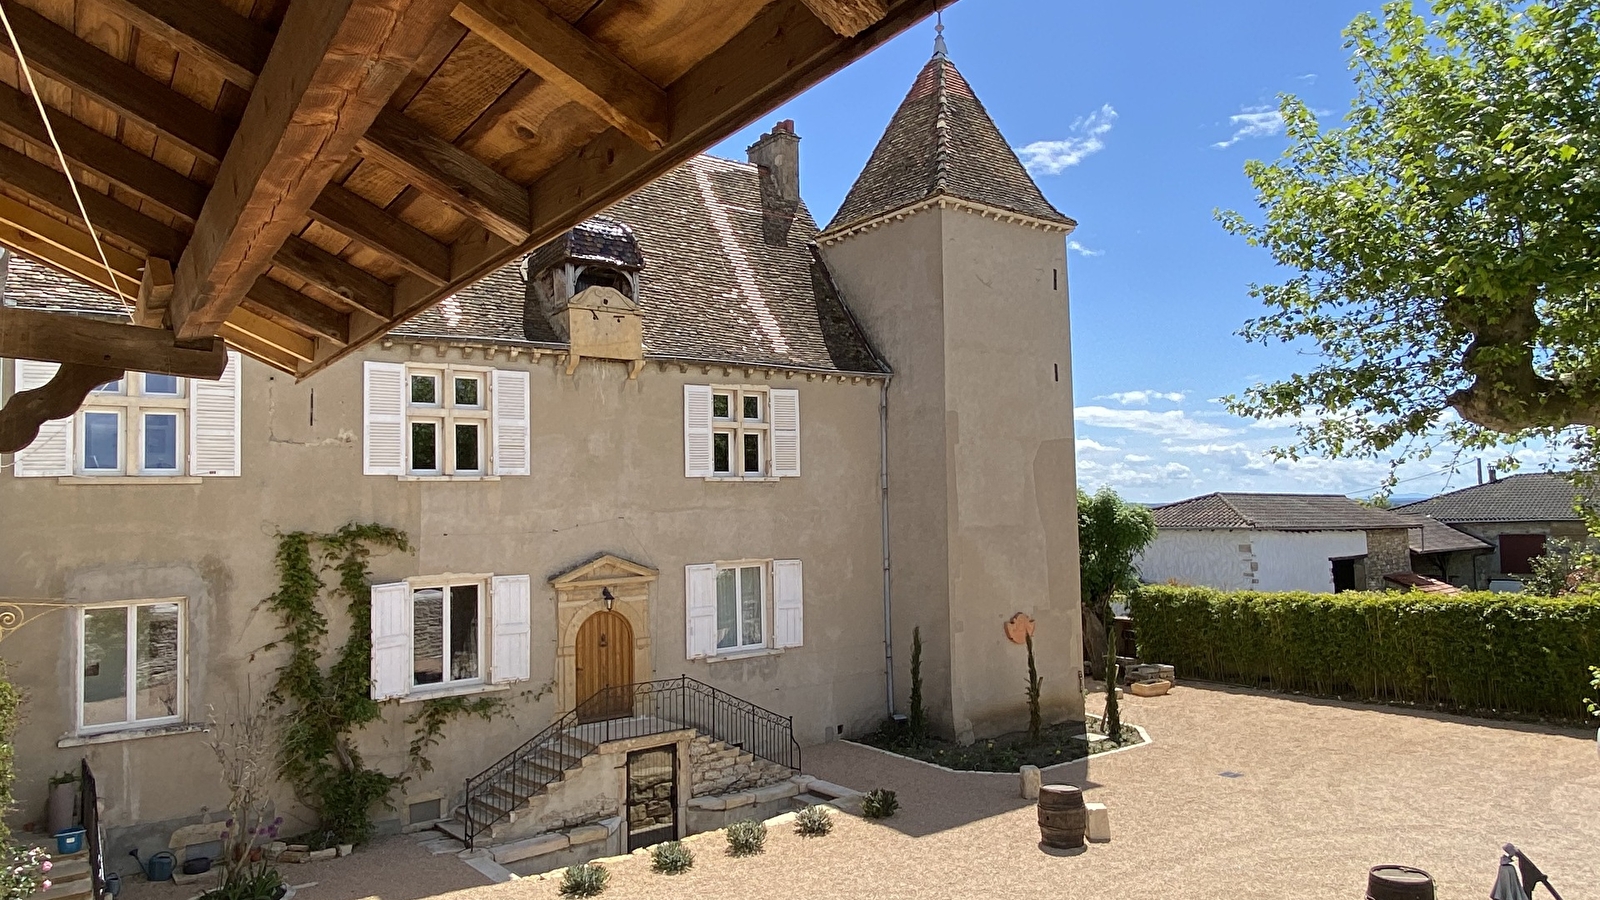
(214, 422)
(512, 420)
(391, 640)
(700, 610)
(50, 454)
(788, 629)
(383, 444)
(510, 656)
(697, 430)
(785, 432)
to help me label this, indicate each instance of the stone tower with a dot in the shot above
(955, 264)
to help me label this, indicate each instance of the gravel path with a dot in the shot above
(1325, 791)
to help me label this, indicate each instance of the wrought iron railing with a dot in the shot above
(617, 714)
(89, 815)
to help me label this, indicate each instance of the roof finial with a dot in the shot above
(939, 51)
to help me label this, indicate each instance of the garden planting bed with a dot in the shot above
(1007, 753)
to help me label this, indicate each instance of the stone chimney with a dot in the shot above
(777, 157)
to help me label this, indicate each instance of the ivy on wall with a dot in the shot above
(323, 707)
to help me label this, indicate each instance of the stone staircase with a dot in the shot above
(70, 878)
(717, 768)
(542, 773)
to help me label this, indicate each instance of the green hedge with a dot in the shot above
(1480, 652)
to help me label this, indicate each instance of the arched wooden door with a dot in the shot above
(604, 660)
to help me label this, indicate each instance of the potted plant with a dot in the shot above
(243, 748)
(63, 812)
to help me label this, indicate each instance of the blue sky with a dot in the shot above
(1142, 117)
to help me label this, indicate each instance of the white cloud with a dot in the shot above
(1093, 445)
(1081, 250)
(1253, 122)
(1206, 449)
(1143, 398)
(1085, 138)
(1174, 423)
(1137, 458)
(1122, 477)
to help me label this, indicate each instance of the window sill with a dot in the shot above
(744, 654)
(754, 478)
(418, 694)
(130, 734)
(128, 479)
(449, 477)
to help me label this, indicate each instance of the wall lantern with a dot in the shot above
(608, 597)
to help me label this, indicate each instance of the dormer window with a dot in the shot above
(604, 276)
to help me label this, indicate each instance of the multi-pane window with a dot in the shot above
(447, 421)
(739, 432)
(133, 426)
(447, 634)
(741, 607)
(130, 665)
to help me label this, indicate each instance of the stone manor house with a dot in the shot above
(697, 446)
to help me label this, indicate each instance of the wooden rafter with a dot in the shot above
(33, 334)
(849, 18)
(528, 32)
(340, 60)
(66, 248)
(49, 187)
(344, 211)
(279, 303)
(227, 41)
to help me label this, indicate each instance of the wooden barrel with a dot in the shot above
(1061, 816)
(1399, 883)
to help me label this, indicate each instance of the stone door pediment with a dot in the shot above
(581, 594)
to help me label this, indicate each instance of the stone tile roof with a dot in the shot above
(942, 142)
(1533, 497)
(712, 288)
(1273, 512)
(1432, 536)
(32, 285)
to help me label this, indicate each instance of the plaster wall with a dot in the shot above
(1488, 564)
(1249, 560)
(973, 313)
(607, 477)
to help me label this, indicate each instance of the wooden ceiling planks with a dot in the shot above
(493, 140)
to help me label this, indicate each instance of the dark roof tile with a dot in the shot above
(1273, 512)
(1533, 497)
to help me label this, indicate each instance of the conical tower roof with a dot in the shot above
(941, 142)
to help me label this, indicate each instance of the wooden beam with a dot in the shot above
(448, 174)
(271, 333)
(155, 294)
(58, 337)
(104, 156)
(64, 247)
(334, 64)
(49, 187)
(233, 45)
(349, 214)
(337, 277)
(251, 345)
(543, 42)
(59, 53)
(849, 18)
(57, 398)
(277, 302)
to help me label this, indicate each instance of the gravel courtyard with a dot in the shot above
(1323, 791)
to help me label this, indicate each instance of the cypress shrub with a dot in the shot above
(1507, 653)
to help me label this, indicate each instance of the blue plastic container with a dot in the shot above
(69, 840)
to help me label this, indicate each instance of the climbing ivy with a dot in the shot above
(323, 709)
(432, 717)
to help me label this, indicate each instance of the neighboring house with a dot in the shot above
(1276, 542)
(1515, 517)
(686, 438)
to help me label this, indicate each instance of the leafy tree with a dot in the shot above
(1111, 532)
(1442, 242)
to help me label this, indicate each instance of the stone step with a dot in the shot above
(801, 801)
(455, 828)
(67, 889)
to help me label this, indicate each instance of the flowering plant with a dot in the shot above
(24, 872)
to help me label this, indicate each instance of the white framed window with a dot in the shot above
(450, 633)
(739, 432)
(130, 664)
(743, 606)
(445, 421)
(144, 425)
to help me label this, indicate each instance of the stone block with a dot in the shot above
(772, 792)
(587, 834)
(829, 789)
(743, 798)
(715, 804)
(317, 855)
(293, 856)
(1097, 826)
(1031, 780)
(530, 847)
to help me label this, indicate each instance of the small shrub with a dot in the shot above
(586, 880)
(671, 858)
(879, 804)
(746, 838)
(813, 821)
